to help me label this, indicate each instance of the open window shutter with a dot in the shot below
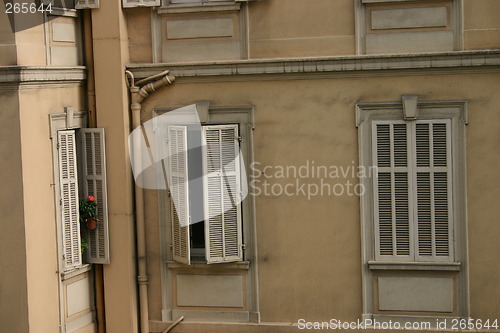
(68, 180)
(140, 3)
(223, 238)
(86, 4)
(433, 190)
(94, 184)
(179, 191)
(392, 191)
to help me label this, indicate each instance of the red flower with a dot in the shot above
(91, 198)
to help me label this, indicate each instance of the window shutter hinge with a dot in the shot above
(60, 202)
(243, 246)
(239, 138)
(57, 146)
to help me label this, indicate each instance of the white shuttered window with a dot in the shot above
(82, 167)
(412, 187)
(221, 192)
(68, 181)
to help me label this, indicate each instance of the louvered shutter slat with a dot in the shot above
(433, 190)
(94, 175)
(222, 194)
(402, 214)
(424, 214)
(69, 199)
(392, 202)
(179, 191)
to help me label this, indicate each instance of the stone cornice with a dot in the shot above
(38, 77)
(484, 61)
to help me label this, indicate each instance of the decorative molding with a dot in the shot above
(70, 119)
(410, 109)
(360, 8)
(198, 8)
(366, 110)
(39, 77)
(485, 61)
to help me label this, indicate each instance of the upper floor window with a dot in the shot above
(413, 204)
(206, 193)
(413, 190)
(81, 173)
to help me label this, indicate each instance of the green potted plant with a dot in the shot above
(88, 212)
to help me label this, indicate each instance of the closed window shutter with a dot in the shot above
(393, 218)
(94, 184)
(179, 191)
(432, 176)
(68, 180)
(86, 4)
(140, 3)
(223, 237)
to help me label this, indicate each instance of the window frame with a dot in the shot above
(411, 169)
(208, 114)
(75, 121)
(244, 117)
(456, 112)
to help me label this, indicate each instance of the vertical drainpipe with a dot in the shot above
(137, 96)
(92, 117)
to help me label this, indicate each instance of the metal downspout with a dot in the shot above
(138, 94)
(91, 106)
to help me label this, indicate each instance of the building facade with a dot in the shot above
(295, 165)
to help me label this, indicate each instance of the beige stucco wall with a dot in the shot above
(481, 24)
(294, 28)
(7, 41)
(38, 197)
(29, 282)
(309, 250)
(139, 34)
(13, 286)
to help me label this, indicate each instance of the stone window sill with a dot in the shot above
(414, 266)
(387, 1)
(197, 8)
(77, 271)
(245, 265)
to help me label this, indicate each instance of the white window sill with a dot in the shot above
(386, 1)
(63, 12)
(75, 272)
(197, 8)
(414, 266)
(232, 265)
